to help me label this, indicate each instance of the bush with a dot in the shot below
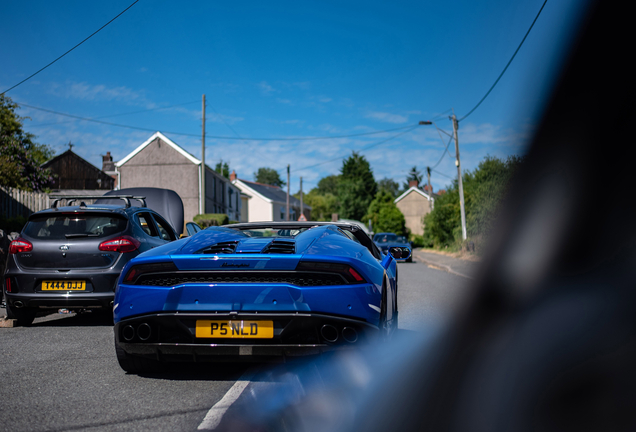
(211, 219)
(418, 240)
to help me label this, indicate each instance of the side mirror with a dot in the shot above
(400, 252)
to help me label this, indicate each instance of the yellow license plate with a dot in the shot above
(235, 329)
(64, 285)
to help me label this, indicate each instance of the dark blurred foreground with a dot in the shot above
(549, 340)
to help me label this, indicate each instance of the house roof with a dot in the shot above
(270, 193)
(414, 189)
(163, 138)
(72, 154)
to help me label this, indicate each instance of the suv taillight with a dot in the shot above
(120, 244)
(7, 284)
(20, 245)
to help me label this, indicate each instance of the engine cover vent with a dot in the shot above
(281, 247)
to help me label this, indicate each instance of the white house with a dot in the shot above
(267, 202)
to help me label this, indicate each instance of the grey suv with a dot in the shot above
(70, 257)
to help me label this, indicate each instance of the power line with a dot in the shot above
(442, 174)
(308, 138)
(506, 68)
(223, 120)
(363, 148)
(443, 153)
(93, 34)
(116, 115)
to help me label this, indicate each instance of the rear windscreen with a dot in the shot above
(74, 225)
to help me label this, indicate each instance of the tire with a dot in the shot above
(135, 365)
(23, 316)
(386, 330)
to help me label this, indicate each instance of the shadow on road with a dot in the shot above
(85, 319)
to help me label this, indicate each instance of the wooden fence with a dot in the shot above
(16, 202)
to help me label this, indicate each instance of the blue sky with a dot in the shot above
(287, 70)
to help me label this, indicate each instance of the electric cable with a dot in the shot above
(116, 115)
(363, 148)
(93, 34)
(506, 68)
(309, 138)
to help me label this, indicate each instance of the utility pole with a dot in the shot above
(459, 175)
(430, 189)
(287, 208)
(302, 210)
(202, 203)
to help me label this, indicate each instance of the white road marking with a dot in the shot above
(214, 416)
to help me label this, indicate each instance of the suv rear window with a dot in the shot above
(74, 225)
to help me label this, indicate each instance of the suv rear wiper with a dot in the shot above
(80, 235)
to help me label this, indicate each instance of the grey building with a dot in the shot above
(160, 162)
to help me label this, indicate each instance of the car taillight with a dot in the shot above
(20, 245)
(347, 272)
(141, 269)
(120, 244)
(7, 284)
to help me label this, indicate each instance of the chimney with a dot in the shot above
(426, 189)
(233, 175)
(413, 183)
(107, 163)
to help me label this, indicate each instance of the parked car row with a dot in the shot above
(71, 256)
(241, 291)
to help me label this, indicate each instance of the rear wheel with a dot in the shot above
(386, 327)
(135, 365)
(23, 316)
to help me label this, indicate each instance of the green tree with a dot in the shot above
(484, 190)
(329, 185)
(384, 214)
(357, 187)
(223, 168)
(414, 174)
(20, 155)
(390, 186)
(269, 176)
(322, 205)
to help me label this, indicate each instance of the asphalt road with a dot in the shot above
(61, 374)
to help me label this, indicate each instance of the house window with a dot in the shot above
(292, 213)
(230, 192)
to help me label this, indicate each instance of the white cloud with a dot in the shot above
(387, 117)
(265, 88)
(100, 92)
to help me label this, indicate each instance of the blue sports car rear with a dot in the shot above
(254, 291)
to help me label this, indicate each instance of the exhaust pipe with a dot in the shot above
(144, 331)
(350, 334)
(128, 333)
(329, 333)
(18, 304)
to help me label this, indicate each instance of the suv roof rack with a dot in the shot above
(71, 198)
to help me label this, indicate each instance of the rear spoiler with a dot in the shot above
(71, 198)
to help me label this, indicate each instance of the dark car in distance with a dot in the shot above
(71, 256)
(384, 241)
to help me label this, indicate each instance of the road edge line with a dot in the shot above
(443, 267)
(213, 417)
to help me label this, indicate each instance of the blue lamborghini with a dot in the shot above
(255, 291)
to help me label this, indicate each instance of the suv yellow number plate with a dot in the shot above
(64, 285)
(235, 329)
